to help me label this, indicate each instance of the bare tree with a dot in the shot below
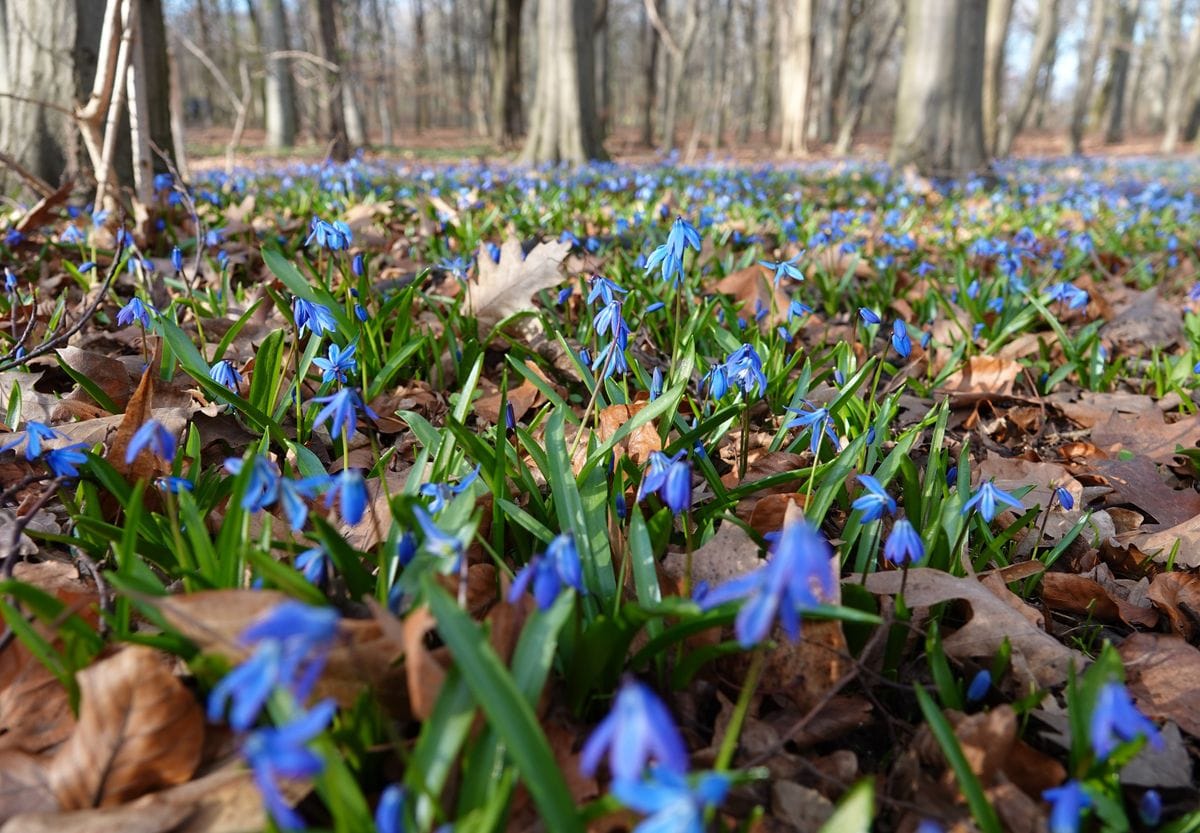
(999, 14)
(335, 129)
(507, 121)
(420, 47)
(1182, 94)
(650, 77)
(281, 89)
(677, 54)
(562, 122)
(1089, 55)
(877, 42)
(1127, 15)
(795, 65)
(1045, 34)
(939, 102)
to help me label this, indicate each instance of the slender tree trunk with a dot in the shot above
(1168, 59)
(999, 14)
(1045, 84)
(650, 78)
(281, 90)
(1045, 34)
(562, 125)
(1182, 93)
(350, 76)
(506, 70)
(339, 143)
(794, 69)
(384, 78)
(1088, 57)
(420, 47)
(677, 53)
(939, 102)
(879, 46)
(601, 43)
(1122, 47)
(206, 43)
(750, 92)
(770, 86)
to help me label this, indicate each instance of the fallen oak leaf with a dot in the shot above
(1163, 675)
(504, 288)
(139, 730)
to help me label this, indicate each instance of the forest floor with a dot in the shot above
(451, 496)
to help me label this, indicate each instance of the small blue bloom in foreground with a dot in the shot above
(869, 316)
(796, 309)
(1115, 718)
(901, 342)
(904, 545)
(333, 236)
(744, 369)
(262, 489)
(283, 753)
(674, 804)
(153, 435)
(637, 730)
(819, 421)
(389, 815)
(656, 384)
(175, 485)
(1150, 808)
(783, 269)
(64, 461)
(135, 310)
(177, 259)
(443, 493)
(225, 374)
(1064, 498)
(980, 684)
(437, 541)
(682, 235)
(358, 265)
(339, 362)
(340, 412)
(313, 564)
(313, 316)
(549, 573)
(984, 501)
(929, 826)
(875, 501)
(35, 434)
(350, 491)
(670, 478)
(797, 576)
(1067, 806)
(295, 494)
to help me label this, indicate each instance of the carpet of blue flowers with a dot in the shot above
(653, 498)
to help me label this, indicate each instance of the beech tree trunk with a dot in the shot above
(650, 76)
(1045, 34)
(677, 55)
(795, 65)
(1181, 98)
(507, 122)
(562, 123)
(1088, 57)
(335, 130)
(421, 93)
(999, 14)
(1127, 15)
(281, 88)
(939, 101)
(877, 41)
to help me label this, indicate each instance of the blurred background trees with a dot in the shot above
(945, 85)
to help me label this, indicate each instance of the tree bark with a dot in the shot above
(1088, 57)
(421, 93)
(1182, 94)
(505, 55)
(335, 132)
(650, 78)
(939, 102)
(281, 89)
(1127, 16)
(1045, 34)
(876, 49)
(999, 14)
(562, 125)
(795, 65)
(677, 55)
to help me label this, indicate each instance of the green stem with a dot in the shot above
(740, 711)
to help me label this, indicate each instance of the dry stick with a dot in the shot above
(104, 165)
(241, 104)
(139, 134)
(35, 182)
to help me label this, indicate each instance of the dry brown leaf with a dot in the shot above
(146, 465)
(1163, 674)
(1084, 596)
(1014, 472)
(1138, 482)
(139, 730)
(1161, 544)
(1036, 655)
(1088, 408)
(1149, 321)
(23, 785)
(146, 815)
(522, 398)
(983, 377)
(1178, 596)
(505, 288)
(424, 672)
(766, 514)
(1146, 434)
(639, 443)
(728, 554)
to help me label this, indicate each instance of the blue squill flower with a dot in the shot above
(901, 342)
(442, 493)
(717, 381)
(609, 320)
(1115, 719)
(339, 362)
(980, 684)
(985, 499)
(314, 565)
(134, 310)
(603, 289)
(389, 814)
(869, 316)
(670, 478)
(611, 360)
(783, 269)
(348, 488)
(64, 461)
(796, 309)
(683, 235)
(333, 236)
(638, 730)
(1064, 498)
(818, 421)
(262, 488)
(1068, 804)
(874, 501)
(1150, 808)
(673, 803)
(284, 753)
(294, 496)
(35, 434)
(225, 374)
(796, 577)
(549, 573)
(310, 315)
(438, 542)
(656, 384)
(177, 259)
(341, 412)
(154, 437)
(1069, 295)
(744, 369)
(903, 545)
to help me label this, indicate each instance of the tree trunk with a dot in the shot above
(1045, 33)
(505, 53)
(939, 102)
(795, 66)
(421, 93)
(562, 124)
(335, 130)
(864, 79)
(750, 91)
(1119, 73)
(601, 42)
(770, 88)
(677, 54)
(999, 14)
(1089, 55)
(1182, 93)
(1045, 83)
(384, 78)
(281, 89)
(650, 78)
(351, 79)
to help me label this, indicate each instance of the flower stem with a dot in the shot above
(740, 710)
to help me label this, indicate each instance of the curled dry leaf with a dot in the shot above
(424, 671)
(984, 377)
(1178, 596)
(145, 466)
(139, 730)
(1037, 656)
(23, 785)
(637, 445)
(1085, 596)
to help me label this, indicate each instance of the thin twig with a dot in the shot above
(12, 548)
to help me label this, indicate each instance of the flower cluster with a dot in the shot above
(63, 461)
(668, 257)
(741, 371)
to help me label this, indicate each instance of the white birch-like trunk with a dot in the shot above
(999, 14)
(795, 65)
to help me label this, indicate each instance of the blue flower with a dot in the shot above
(639, 729)
(656, 384)
(609, 320)
(903, 545)
(818, 421)
(350, 491)
(901, 342)
(294, 496)
(559, 567)
(670, 478)
(796, 577)
(313, 564)
(389, 814)
(604, 289)
(744, 370)
(796, 309)
(224, 373)
(64, 461)
(438, 542)
(984, 500)
(262, 489)
(443, 493)
(875, 501)
(1068, 804)
(980, 684)
(283, 753)
(177, 259)
(152, 436)
(358, 265)
(135, 310)
(333, 236)
(1064, 498)
(674, 804)
(35, 434)
(612, 358)
(783, 269)
(341, 412)
(313, 316)
(340, 361)
(682, 236)
(717, 380)
(1115, 719)
(1068, 294)
(869, 316)
(1150, 808)
(175, 485)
